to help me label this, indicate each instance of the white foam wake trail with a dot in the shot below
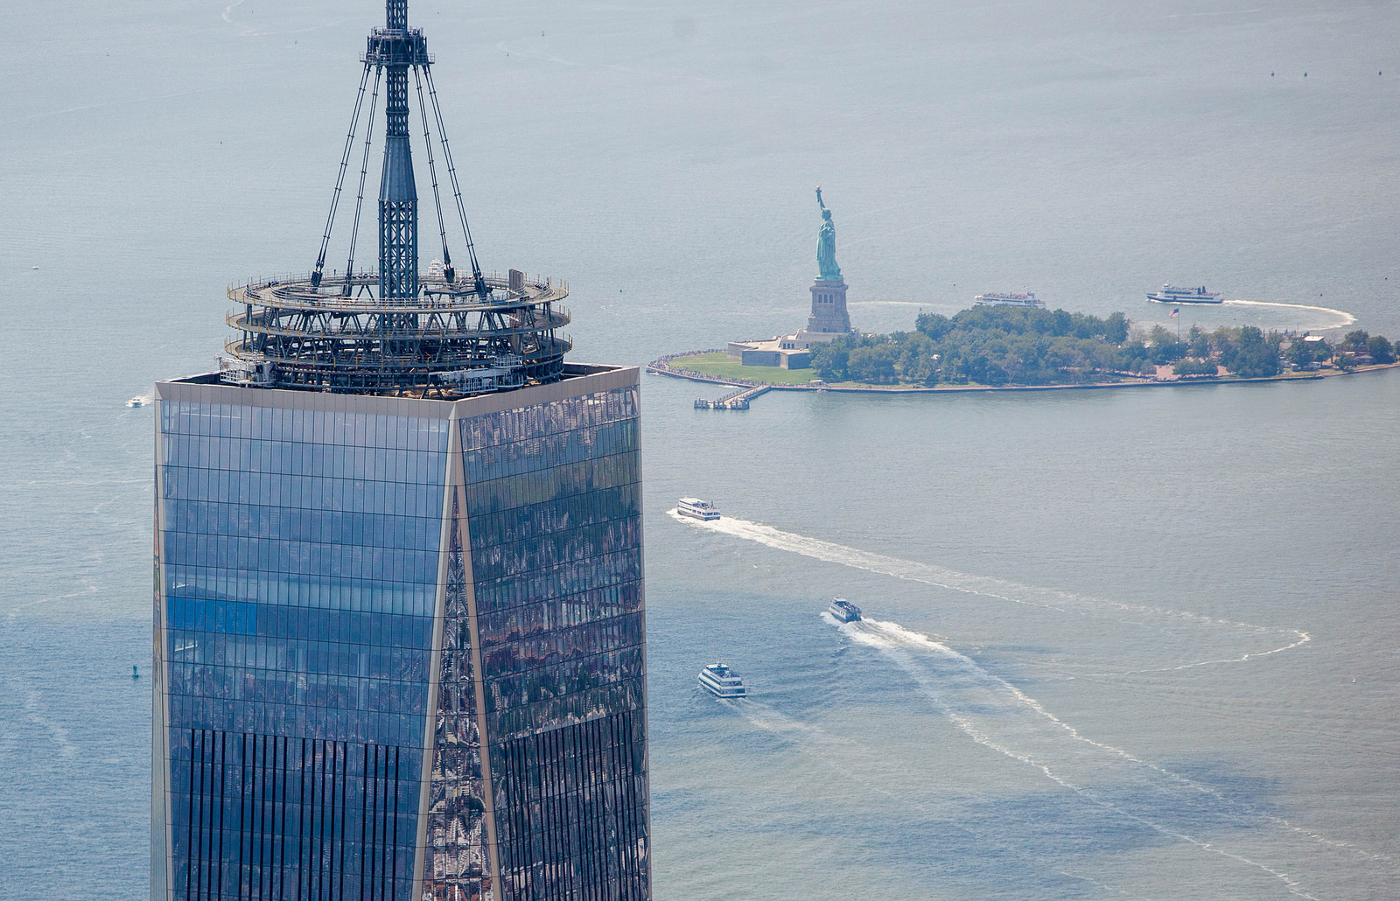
(879, 774)
(959, 673)
(999, 716)
(888, 636)
(1343, 316)
(13, 613)
(39, 715)
(984, 586)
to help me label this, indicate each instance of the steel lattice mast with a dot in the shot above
(396, 330)
(394, 49)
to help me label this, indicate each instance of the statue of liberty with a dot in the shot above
(826, 244)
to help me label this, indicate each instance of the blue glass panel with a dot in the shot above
(299, 586)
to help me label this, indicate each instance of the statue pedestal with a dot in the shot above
(829, 317)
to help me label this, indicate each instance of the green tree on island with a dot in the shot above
(1006, 345)
(1360, 343)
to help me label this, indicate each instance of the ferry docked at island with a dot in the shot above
(722, 682)
(1026, 299)
(1174, 295)
(844, 611)
(697, 509)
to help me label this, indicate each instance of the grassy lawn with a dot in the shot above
(725, 366)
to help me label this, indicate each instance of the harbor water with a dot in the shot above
(1117, 644)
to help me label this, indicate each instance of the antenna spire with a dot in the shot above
(396, 15)
(395, 49)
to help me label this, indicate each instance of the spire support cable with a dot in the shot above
(360, 195)
(340, 179)
(447, 270)
(480, 282)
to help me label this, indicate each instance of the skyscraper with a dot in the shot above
(399, 613)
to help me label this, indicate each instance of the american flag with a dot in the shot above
(1173, 313)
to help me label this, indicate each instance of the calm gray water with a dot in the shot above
(1132, 644)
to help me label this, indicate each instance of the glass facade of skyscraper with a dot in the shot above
(399, 645)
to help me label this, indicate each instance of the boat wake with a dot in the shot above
(39, 715)
(1342, 317)
(879, 774)
(1274, 640)
(997, 715)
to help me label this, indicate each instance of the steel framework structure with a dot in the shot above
(397, 331)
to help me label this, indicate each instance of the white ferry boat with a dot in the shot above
(697, 509)
(1027, 299)
(1172, 294)
(844, 611)
(721, 681)
(137, 401)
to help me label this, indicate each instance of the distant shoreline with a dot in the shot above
(663, 366)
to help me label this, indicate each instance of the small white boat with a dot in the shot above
(722, 682)
(697, 509)
(844, 611)
(137, 401)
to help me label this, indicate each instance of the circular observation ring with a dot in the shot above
(447, 341)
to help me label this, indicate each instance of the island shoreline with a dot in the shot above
(662, 366)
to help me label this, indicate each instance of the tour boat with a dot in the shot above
(1026, 299)
(1174, 295)
(721, 681)
(844, 611)
(697, 509)
(137, 401)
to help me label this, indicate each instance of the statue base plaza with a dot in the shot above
(828, 320)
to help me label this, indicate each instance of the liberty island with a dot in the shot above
(1006, 342)
(943, 355)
